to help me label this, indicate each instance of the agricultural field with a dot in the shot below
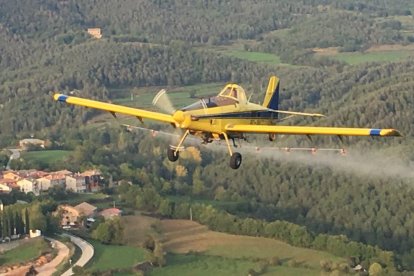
(381, 53)
(114, 256)
(197, 264)
(29, 250)
(238, 51)
(46, 156)
(193, 247)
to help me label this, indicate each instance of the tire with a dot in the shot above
(172, 155)
(235, 161)
(272, 137)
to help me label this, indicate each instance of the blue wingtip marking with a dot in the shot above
(62, 98)
(375, 132)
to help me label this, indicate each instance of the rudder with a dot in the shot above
(271, 99)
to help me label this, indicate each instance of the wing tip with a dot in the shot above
(390, 132)
(60, 97)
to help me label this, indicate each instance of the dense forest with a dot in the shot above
(44, 48)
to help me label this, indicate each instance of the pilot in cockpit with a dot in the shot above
(230, 92)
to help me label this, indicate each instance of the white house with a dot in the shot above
(76, 183)
(28, 185)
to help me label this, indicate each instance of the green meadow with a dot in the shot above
(29, 250)
(46, 156)
(377, 56)
(200, 265)
(108, 257)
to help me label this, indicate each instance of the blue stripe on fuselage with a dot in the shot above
(62, 98)
(375, 132)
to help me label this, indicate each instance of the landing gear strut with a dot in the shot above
(235, 158)
(173, 152)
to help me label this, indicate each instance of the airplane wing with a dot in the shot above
(309, 130)
(298, 113)
(113, 108)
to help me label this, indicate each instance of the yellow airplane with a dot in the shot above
(228, 116)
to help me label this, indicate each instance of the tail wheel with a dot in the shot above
(172, 155)
(235, 160)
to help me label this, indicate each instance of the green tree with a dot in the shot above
(37, 220)
(375, 269)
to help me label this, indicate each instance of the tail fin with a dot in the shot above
(271, 99)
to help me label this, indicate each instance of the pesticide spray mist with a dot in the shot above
(370, 163)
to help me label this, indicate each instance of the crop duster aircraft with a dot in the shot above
(228, 116)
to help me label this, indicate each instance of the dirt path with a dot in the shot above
(50, 267)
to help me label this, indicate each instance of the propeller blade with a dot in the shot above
(163, 102)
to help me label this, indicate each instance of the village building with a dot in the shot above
(11, 183)
(28, 185)
(27, 143)
(72, 216)
(69, 216)
(93, 180)
(86, 209)
(110, 213)
(51, 180)
(95, 32)
(5, 188)
(76, 183)
(11, 175)
(62, 172)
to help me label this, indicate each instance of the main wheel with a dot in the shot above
(172, 155)
(235, 160)
(272, 137)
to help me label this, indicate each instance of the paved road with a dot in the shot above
(50, 267)
(15, 155)
(87, 252)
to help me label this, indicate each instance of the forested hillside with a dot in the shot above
(44, 48)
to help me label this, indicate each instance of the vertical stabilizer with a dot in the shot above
(271, 99)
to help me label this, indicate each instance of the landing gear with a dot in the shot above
(235, 160)
(173, 152)
(172, 155)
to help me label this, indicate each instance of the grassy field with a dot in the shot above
(219, 253)
(253, 56)
(379, 53)
(183, 236)
(237, 50)
(29, 250)
(200, 265)
(225, 205)
(46, 156)
(377, 56)
(114, 256)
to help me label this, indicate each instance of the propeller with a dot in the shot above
(163, 102)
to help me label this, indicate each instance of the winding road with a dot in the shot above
(87, 252)
(50, 267)
(15, 155)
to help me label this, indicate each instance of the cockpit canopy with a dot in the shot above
(230, 95)
(234, 91)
